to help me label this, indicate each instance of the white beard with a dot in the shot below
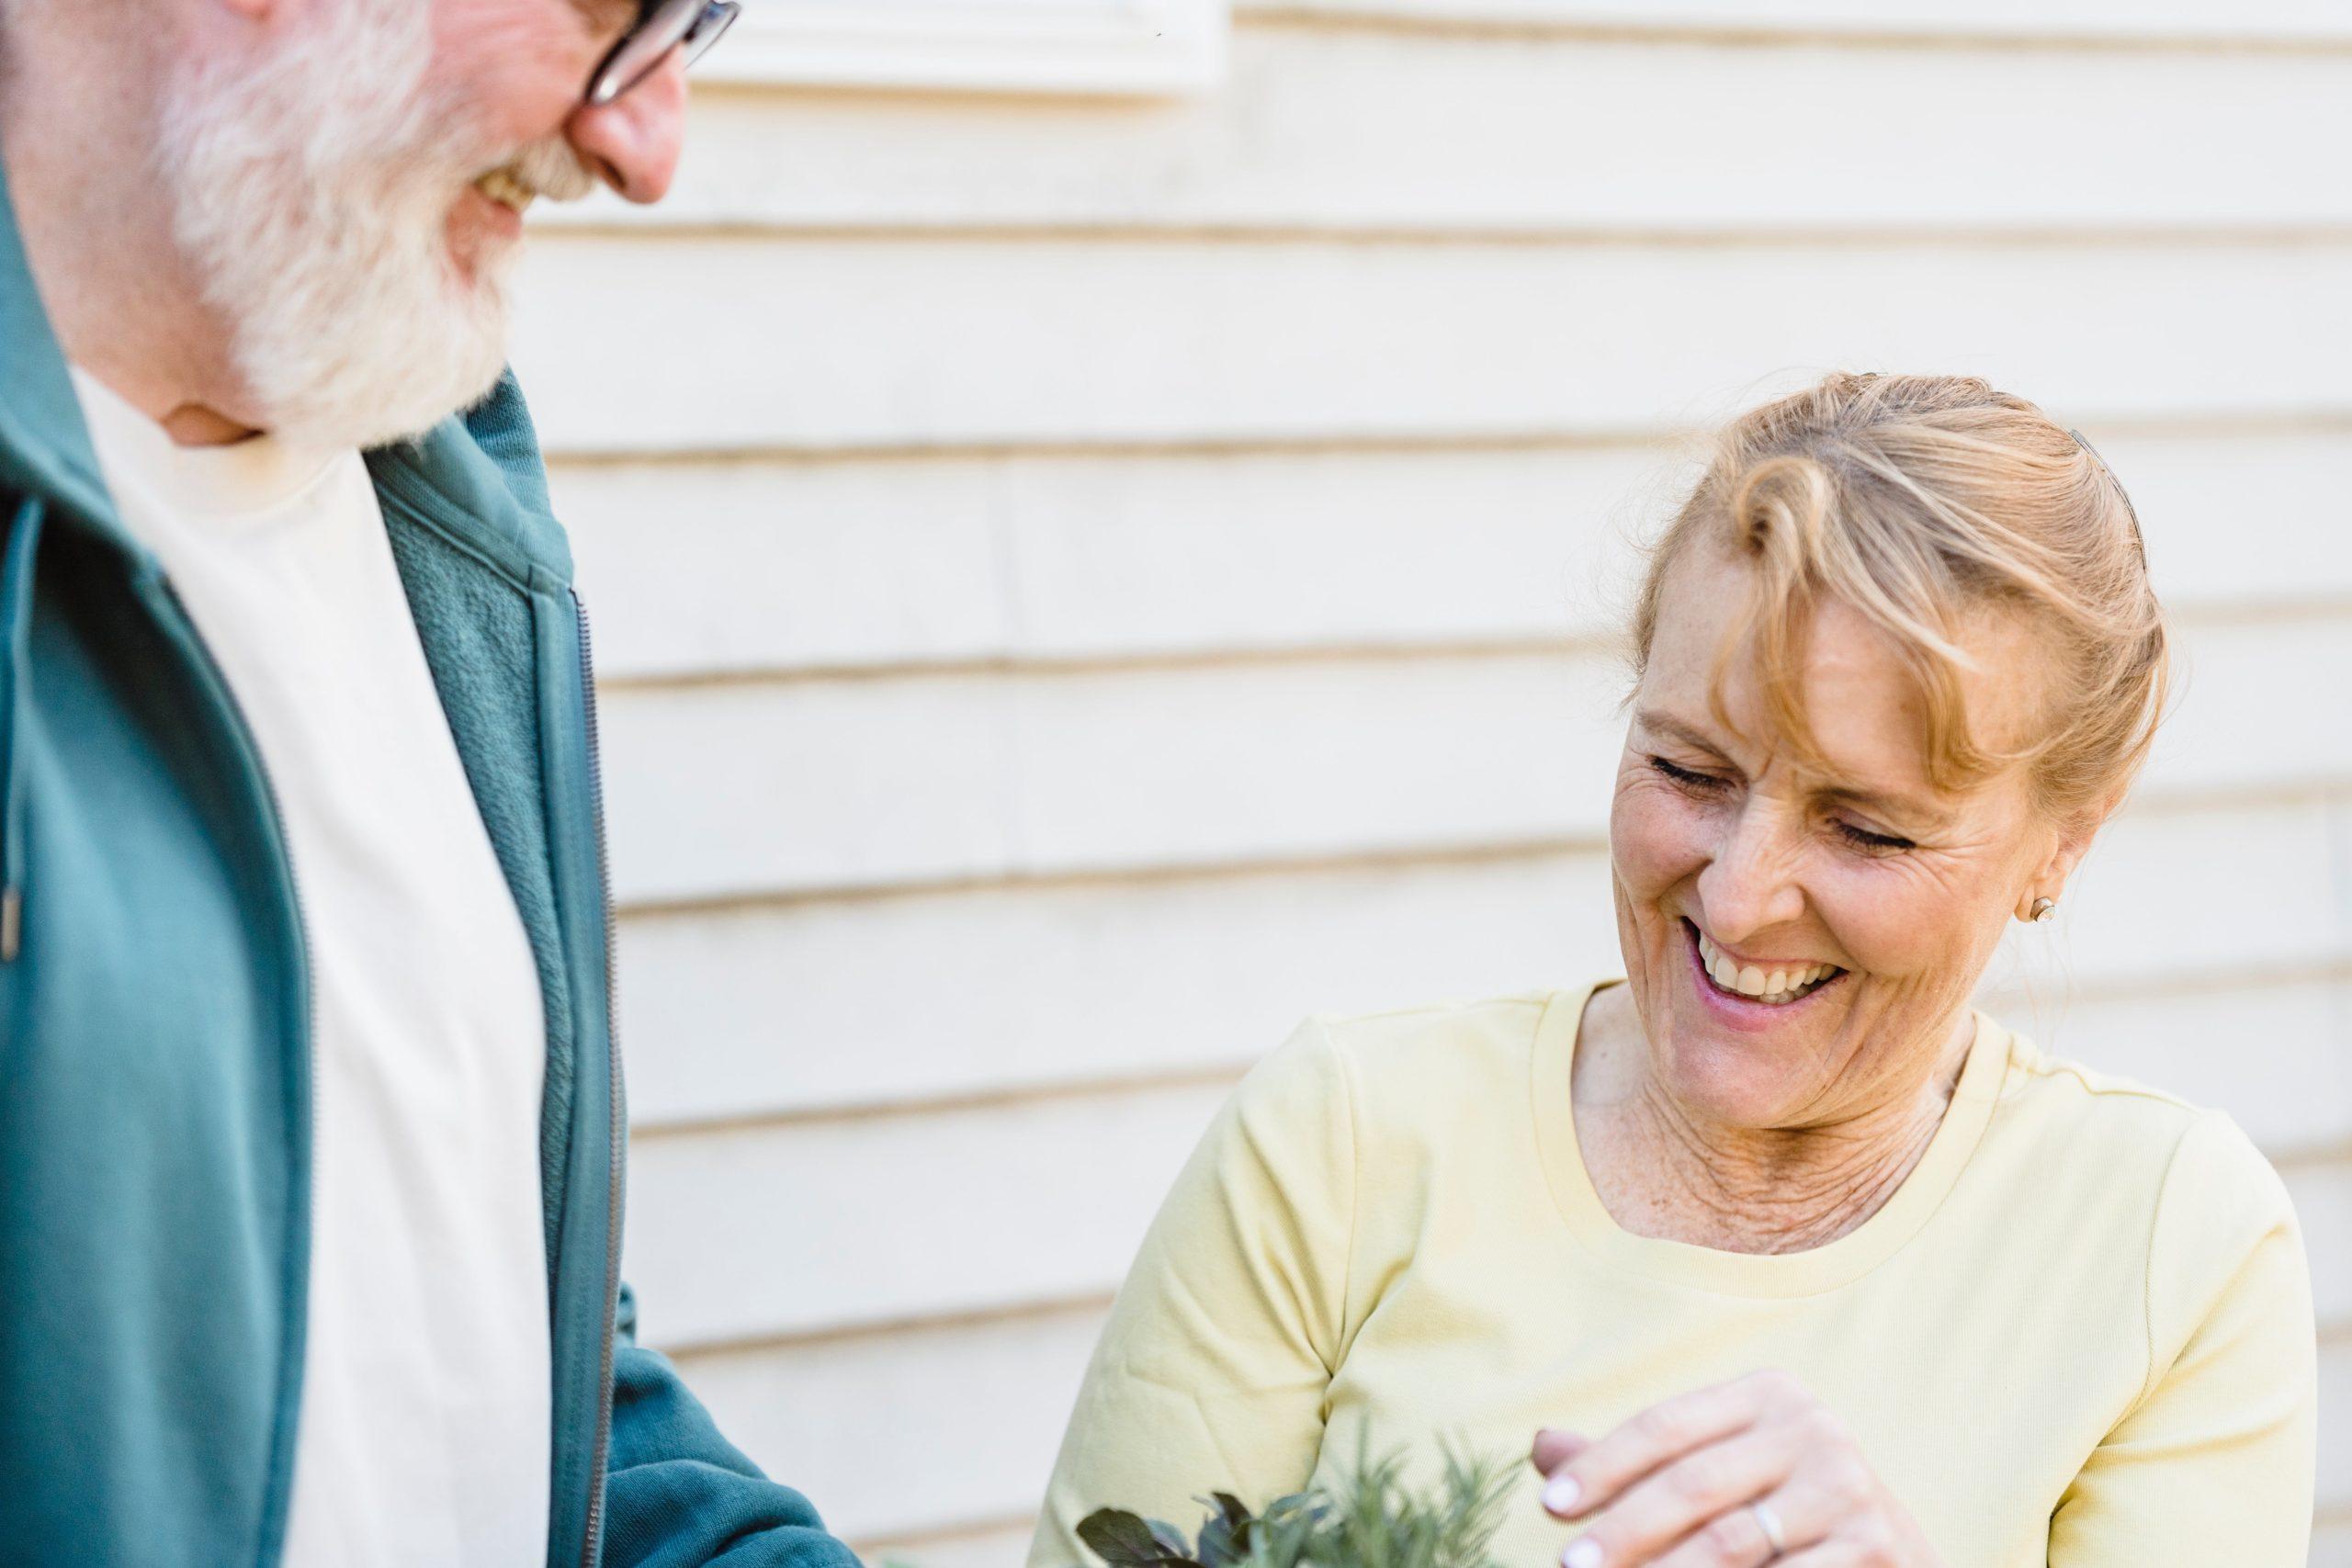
(312, 196)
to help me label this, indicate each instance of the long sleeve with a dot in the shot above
(679, 1495)
(1212, 1370)
(2215, 1463)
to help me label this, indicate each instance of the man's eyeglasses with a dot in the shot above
(691, 25)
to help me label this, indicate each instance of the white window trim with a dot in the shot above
(1049, 46)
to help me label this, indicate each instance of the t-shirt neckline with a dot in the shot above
(1809, 1272)
(244, 479)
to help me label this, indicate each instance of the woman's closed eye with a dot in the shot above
(1691, 779)
(1868, 843)
(1694, 781)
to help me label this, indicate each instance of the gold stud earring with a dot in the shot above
(2045, 911)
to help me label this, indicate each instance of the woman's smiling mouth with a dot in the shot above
(1778, 985)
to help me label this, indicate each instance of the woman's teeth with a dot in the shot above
(1770, 986)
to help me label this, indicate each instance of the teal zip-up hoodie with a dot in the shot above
(155, 1023)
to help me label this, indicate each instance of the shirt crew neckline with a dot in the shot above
(241, 478)
(1810, 1272)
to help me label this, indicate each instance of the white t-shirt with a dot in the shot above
(423, 1438)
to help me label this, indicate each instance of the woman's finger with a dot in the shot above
(1554, 1448)
(1700, 1499)
(1657, 1436)
(1738, 1536)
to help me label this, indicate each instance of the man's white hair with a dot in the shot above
(312, 195)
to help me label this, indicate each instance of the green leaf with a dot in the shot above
(1171, 1540)
(1121, 1538)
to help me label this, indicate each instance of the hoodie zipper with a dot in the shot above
(242, 726)
(614, 1174)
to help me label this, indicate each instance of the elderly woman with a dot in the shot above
(1781, 1251)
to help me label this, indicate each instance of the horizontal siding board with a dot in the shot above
(831, 1417)
(1474, 134)
(858, 343)
(2323, 1194)
(878, 1002)
(901, 1216)
(1079, 556)
(716, 566)
(877, 1221)
(2277, 1054)
(2188, 21)
(753, 787)
(704, 568)
(796, 1009)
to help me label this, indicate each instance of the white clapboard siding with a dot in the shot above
(844, 783)
(699, 568)
(995, 1393)
(754, 787)
(800, 1006)
(2315, 23)
(989, 1398)
(863, 342)
(797, 1008)
(1468, 136)
(2322, 1193)
(782, 566)
(885, 1219)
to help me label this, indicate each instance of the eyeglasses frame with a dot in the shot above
(693, 25)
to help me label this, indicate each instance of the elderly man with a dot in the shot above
(312, 1135)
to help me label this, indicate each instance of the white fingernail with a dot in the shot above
(1585, 1554)
(1561, 1494)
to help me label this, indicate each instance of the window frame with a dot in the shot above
(1115, 47)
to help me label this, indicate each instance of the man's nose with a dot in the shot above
(633, 142)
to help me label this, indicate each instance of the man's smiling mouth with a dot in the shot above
(503, 187)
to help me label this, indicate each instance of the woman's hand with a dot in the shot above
(1674, 1486)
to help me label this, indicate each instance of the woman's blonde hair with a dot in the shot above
(1918, 501)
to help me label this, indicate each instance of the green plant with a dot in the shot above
(1370, 1519)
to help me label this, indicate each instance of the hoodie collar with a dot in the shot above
(44, 445)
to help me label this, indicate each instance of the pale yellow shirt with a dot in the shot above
(2080, 1334)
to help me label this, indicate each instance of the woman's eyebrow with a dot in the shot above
(1903, 807)
(1667, 724)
